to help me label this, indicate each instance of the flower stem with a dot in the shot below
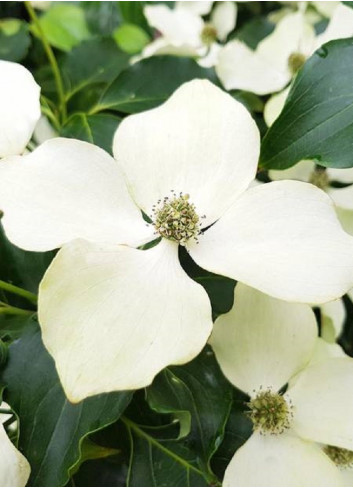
(49, 52)
(18, 291)
(14, 311)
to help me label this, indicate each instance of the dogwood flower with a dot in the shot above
(113, 316)
(185, 33)
(14, 468)
(20, 107)
(278, 57)
(261, 345)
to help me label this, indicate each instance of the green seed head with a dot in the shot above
(208, 34)
(295, 62)
(176, 219)
(342, 457)
(270, 413)
(319, 178)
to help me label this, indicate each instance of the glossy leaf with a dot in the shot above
(131, 38)
(149, 83)
(102, 17)
(51, 429)
(316, 122)
(98, 129)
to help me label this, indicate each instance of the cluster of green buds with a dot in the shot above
(342, 457)
(270, 412)
(295, 62)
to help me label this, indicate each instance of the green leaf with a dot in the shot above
(64, 26)
(132, 13)
(52, 429)
(316, 122)
(92, 451)
(102, 17)
(254, 31)
(150, 82)
(131, 38)
(92, 62)
(20, 267)
(98, 129)
(14, 39)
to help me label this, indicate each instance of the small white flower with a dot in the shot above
(113, 316)
(261, 345)
(20, 107)
(185, 33)
(14, 468)
(277, 58)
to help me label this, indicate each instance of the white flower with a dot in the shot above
(185, 33)
(277, 58)
(113, 316)
(14, 468)
(20, 107)
(261, 345)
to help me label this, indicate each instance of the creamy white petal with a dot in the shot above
(342, 197)
(322, 397)
(343, 175)
(14, 468)
(210, 57)
(324, 350)
(339, 27)
(43, 131)
(239, 67)
(162, 46)
(325, 8)
(280, 461)
(284, 239)
(113, 317)
(274, 106)
(301, 171)
(200, 142)
(67, 189)
(333, 315)
(199, 8)
(346, 219)
(223, 18)
(263, 341)
(20, 107)
(178, 26)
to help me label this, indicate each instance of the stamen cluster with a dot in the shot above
(208, 34)
(176, 219)
(295, 62)
(342, 457)
(319, 178)
(270, 413)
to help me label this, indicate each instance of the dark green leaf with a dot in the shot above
(94, 61)
(64, 26)
(132, 13)
(51, 428)
(14, 39)
(150, 82)
(316, 122)
(102, 17)
(98, 129)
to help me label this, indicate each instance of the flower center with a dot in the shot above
(208, 34)
(175, 218)
(270, 413)
(342, 457)
(295, 62)
(319, 178)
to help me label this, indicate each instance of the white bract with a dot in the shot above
(261, 345)
(112, 315)
(14, 468)
(278, 57)
(20, 107)
(185, 33)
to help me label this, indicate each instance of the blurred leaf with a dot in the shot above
(102, 17)
(94, 61)
(132, 13)
(131, 38)
(251, 101)
(14, 39)
(64, 25)
(150, 82)
(98, 129)
(51, 428)
(316, 122)
(13, 326)
(254, 31)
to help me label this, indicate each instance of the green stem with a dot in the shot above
(133, 426)
(18, 291)
(49, 52)
(14, 311)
